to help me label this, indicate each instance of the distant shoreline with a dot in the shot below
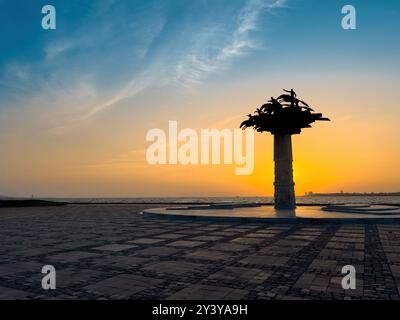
(19, 203)
(310, 199)
(29, 203)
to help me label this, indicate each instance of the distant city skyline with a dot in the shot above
(311, 193)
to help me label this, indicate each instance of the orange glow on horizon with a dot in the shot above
(356, 152)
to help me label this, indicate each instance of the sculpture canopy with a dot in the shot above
(284, 115)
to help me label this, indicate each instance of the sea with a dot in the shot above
(313, 199)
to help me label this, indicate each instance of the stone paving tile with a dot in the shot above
(111, 252)
(32, 252)
(232, 274)
(260, 235)
(19, 267)
(170, 236)
(207, 254)
(338, 254)
(115, 247)
(13, 294)
(157, 251)
(293, 243)
(189, 232)
(324, 265)
(247, 241)
(231, 247)
(206, 238)
(298, 237)
(146, 241)
(222, 233)
(279, 250)
(71, 276)
(205, 292)
(393, 258)
(175, 267)
(186, 243)
(348, 246)
(207, 228)
(71, 256)
(264, 260)
(122, 286)
(119, 261)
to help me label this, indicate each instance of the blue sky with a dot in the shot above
(105, 51)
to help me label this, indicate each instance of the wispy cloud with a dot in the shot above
(196, 65)
(57, 48)
(161, 53)
(135, 86)
(238, 42)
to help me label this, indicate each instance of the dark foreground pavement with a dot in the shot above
(113, 252)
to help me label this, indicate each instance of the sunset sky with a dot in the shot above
(76, 102)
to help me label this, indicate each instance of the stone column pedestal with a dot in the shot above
(284, 184)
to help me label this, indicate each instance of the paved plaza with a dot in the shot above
(114, 252)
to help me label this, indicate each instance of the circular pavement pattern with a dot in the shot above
(258, 212)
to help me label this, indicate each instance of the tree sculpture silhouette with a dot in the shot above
(283, 117)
